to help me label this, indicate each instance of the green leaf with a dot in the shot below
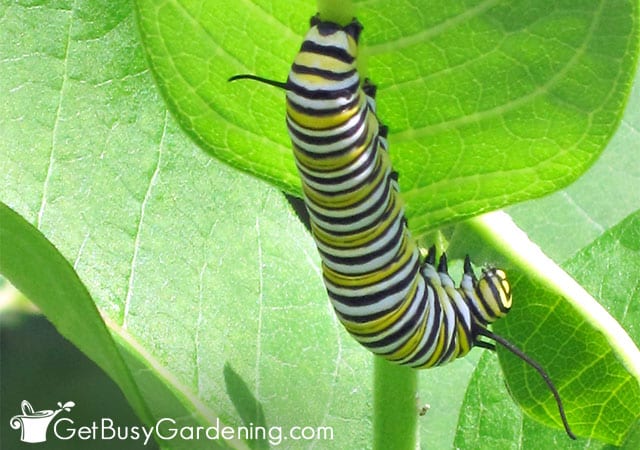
(562, 224)
(595, 367)
(488, 104)
(199, 272)
(208, 285)
(603, 268)
(25, 256)
(487, 404)
(567, 220)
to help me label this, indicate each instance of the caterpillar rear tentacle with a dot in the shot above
(398, 306)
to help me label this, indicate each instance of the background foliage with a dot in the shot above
(210, 288)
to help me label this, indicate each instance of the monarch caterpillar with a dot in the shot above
(398, 306)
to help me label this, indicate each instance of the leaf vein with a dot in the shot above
(143, 207)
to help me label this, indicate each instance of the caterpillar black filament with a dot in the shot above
(399, 307)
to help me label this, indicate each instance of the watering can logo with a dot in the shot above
(34, 424)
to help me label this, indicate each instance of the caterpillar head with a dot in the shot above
(495, 292)
(488, 297)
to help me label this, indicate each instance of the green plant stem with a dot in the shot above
(395, 413)
(339, 11)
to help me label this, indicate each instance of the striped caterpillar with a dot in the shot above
(399, 306)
